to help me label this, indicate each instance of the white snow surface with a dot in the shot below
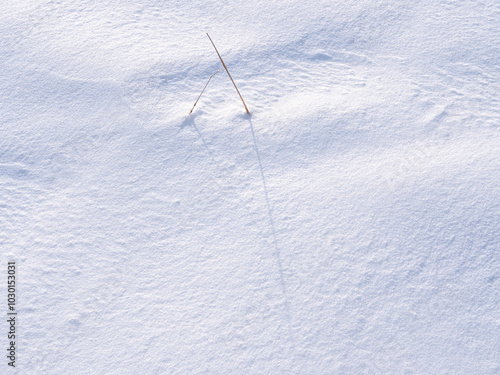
(350, 225)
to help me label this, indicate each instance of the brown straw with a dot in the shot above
(225, 67)
(203, 90)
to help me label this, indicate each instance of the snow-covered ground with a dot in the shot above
(350, 225)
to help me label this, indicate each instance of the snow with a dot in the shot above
(350, 225)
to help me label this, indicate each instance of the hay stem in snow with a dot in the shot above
(191, 111)
(225, 67)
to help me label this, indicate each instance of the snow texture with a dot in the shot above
(350, 225)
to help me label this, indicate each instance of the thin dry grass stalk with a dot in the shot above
(225, 67)
(191, 111)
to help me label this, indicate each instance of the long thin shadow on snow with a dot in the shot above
(189, 121)
(277, 254)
